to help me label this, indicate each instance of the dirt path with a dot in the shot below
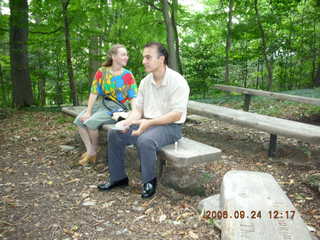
(43, 196)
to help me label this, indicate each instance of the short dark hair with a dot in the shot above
(162, 51)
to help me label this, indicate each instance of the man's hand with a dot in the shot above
(125, 124)
(85, 117)
(144, 124)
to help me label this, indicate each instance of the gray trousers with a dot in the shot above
(148, 143)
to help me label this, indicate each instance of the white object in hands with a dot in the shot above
(117, 115)
(119, 126)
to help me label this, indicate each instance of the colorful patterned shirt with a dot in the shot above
(121, 87)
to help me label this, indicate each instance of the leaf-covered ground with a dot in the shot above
(44, 195)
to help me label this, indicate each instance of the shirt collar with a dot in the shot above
(164, 81)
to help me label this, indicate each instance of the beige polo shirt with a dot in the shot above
(170, 96)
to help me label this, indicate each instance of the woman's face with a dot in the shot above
(121, 58)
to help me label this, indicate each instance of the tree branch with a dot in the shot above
(54, 31)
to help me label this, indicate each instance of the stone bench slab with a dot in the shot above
(253, 193)
(272, 125)
(188, 152)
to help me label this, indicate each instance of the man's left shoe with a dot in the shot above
(149, 188)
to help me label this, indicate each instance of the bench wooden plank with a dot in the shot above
(245, 195)
(280, 96)
(272, 125)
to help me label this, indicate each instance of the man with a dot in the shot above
(155, 121)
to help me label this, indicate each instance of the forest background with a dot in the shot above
(50, 49)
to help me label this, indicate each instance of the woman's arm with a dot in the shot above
(91, 101)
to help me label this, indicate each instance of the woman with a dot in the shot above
(112, 86)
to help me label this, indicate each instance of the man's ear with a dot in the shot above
(162, 59)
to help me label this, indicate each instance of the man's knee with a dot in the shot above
(146, 142)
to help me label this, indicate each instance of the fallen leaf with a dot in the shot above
(162, 218)
(193, 235)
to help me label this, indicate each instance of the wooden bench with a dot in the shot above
(251, 206)
(248, 92)
(174, 160)
(274, 126)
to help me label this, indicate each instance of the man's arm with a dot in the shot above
(144, 124)
(135, 113)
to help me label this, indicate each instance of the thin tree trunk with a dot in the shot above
(19, 27)
(41, 98)
(173, 62)
(58, 99)
(315, 67)
(301, 48)
(228, 42)
(262, 74)
(3, 87)
(174, 24)
(72, 84)
(94, 63)
(264, 46)
(94, 57)
(257, 78)
(42, 82)
(316, 80)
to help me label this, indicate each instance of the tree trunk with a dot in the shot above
(72, 84)
(315, 67)
(42, 83)
(19, 27)
(316, 80)
(94, 57)
(228, 42)
(3, 88)
(58, 98)
(264, 46)
(172, 61)
(174, 24)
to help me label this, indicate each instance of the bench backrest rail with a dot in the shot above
(280, 96)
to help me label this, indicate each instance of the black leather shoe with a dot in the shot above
(149, 188)
(108, 186)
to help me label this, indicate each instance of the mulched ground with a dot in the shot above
(44, 195)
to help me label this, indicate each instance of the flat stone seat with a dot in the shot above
(257, 208)
(174, 159)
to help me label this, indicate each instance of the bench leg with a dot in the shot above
(247, 100)
(272, 145)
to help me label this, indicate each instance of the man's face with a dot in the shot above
(151, 59)
(121, 57)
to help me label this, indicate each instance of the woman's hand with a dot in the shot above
(85, 117)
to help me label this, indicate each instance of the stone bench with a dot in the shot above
(174, 161)
(253, 206)
(274, 126)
